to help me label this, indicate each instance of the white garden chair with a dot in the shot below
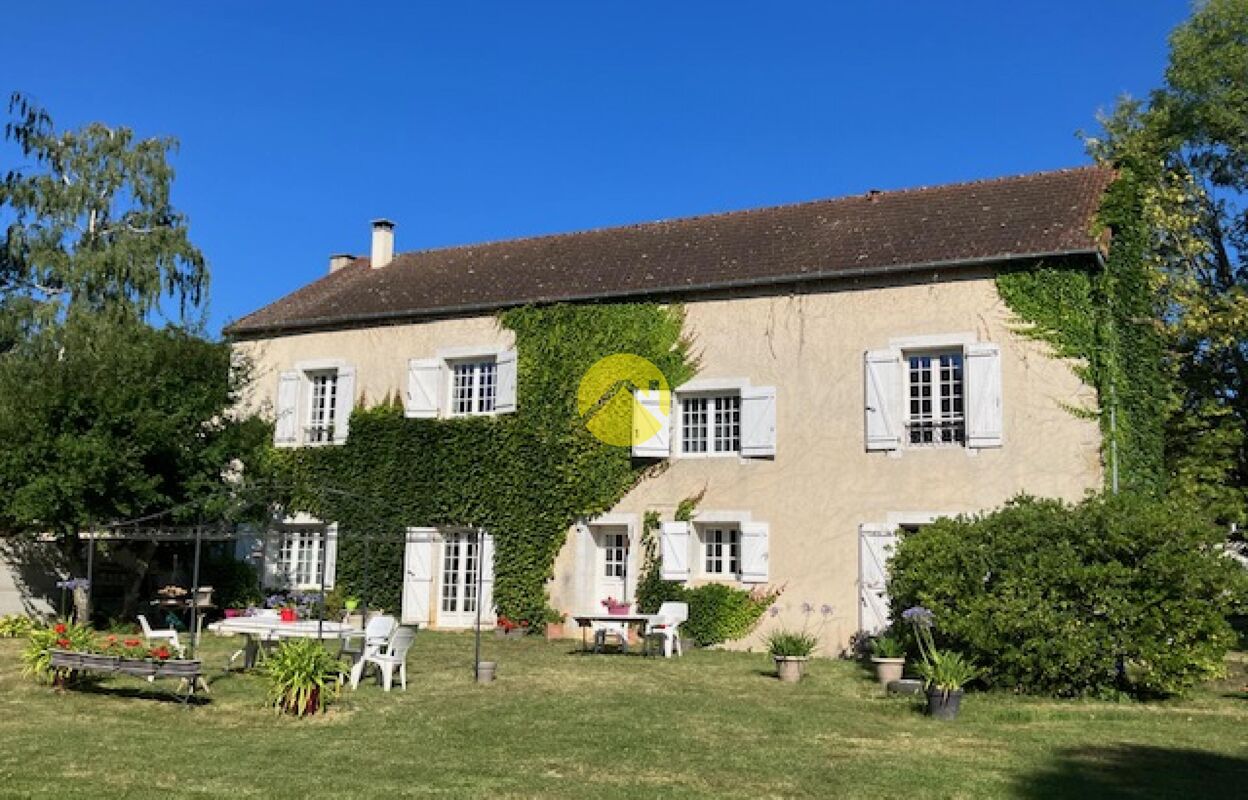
(394, 655)
(372, 639)
(667, 627)
(161, 635)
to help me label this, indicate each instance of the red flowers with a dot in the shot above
(131, 643)
(160, 653)
(62, 643)
(60, 627)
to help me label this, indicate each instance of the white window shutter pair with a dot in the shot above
(884, 388)
(984, 424)
(286, 427)
(487, 578)
(418, 575)
(331, 556)
(652, 424)
(426, 386)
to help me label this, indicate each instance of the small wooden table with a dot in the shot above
(586, 621)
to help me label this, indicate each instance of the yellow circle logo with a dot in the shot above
(606, 399)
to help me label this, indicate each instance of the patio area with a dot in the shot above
(558, 723)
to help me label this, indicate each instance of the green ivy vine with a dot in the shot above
(1104, 318)
(526, 477)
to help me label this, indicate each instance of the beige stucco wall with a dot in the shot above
(822, 483)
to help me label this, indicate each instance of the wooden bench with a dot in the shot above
(188, 672)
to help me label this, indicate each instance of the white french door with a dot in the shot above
(875, 547)
(462, 561)
(615, 575)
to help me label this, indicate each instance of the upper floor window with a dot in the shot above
(710, 423)
(474, 386)
(932, 392)
(936, 393)
(314, 403)
(322, 406)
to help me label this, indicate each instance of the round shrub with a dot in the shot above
(1116, 595)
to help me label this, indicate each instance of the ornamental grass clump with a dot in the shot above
(37, 658)
(943, 671)
(303, 677)
(791, 644)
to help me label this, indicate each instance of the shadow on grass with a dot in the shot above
(1136, 771)
(154, 694)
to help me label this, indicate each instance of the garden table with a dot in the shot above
(586, 621)
(262, 630)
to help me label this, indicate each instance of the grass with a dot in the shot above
(558, 724)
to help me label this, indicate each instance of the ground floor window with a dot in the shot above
(722, 545)
(299, 557)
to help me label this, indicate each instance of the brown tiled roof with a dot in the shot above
(1029, 216)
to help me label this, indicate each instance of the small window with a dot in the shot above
(615, 552)
(710, 423)
(723, 551)
(474, 387)
(935, 393)
(322, 406)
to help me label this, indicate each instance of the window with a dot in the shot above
(615, 549)
(459, 575)
(710, 423)
(299, 559)
(322, 406)
(723, 551)
(474, 387)
(936, 394)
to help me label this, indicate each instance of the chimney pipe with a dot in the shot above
(339, 260)
(383, 243)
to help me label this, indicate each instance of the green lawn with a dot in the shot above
(565, 725)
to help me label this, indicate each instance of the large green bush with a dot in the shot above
(1114, 595)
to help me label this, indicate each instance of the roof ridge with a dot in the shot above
(870, 194)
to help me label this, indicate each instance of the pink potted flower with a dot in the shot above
(615, 607)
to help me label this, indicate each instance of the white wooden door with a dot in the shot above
(613, 568)
(875, 547)
(461, 559)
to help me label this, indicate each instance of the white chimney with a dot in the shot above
(383, 243)
(339, 260)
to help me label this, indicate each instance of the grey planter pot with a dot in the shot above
(486, 671)
(943, 705)
(888, 670)
(790, 669)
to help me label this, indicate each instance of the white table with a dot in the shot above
(586, 621)
(270, 629)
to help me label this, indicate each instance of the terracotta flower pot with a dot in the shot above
(888, 670)
(554, 630)
(619, 610)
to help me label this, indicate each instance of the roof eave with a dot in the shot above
(320, 323)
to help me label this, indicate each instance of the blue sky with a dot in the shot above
(465, 122)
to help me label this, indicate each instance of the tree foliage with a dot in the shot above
(1186, 149)
(1118, 594)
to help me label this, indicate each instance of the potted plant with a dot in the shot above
(889, 656)
(303, 677)
(791, 650)
(238, 608)
(616, 607)
(944, 672)
(554, 624)
(511, 629)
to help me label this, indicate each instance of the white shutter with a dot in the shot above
(587, 569)
(758, 421)
(755, 552)
(674, 548)
(487, 579)
(876, 543)
(883, 399)
(424, 387)
(505, 399)
(418, 575)
(330, 555)
(286, 427)
(271, 568)
(983, 391)
(651, 423)
(344, 402)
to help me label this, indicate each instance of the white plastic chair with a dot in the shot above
(667, 627)
(394, 655)
(371, 640)
(165, 635)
